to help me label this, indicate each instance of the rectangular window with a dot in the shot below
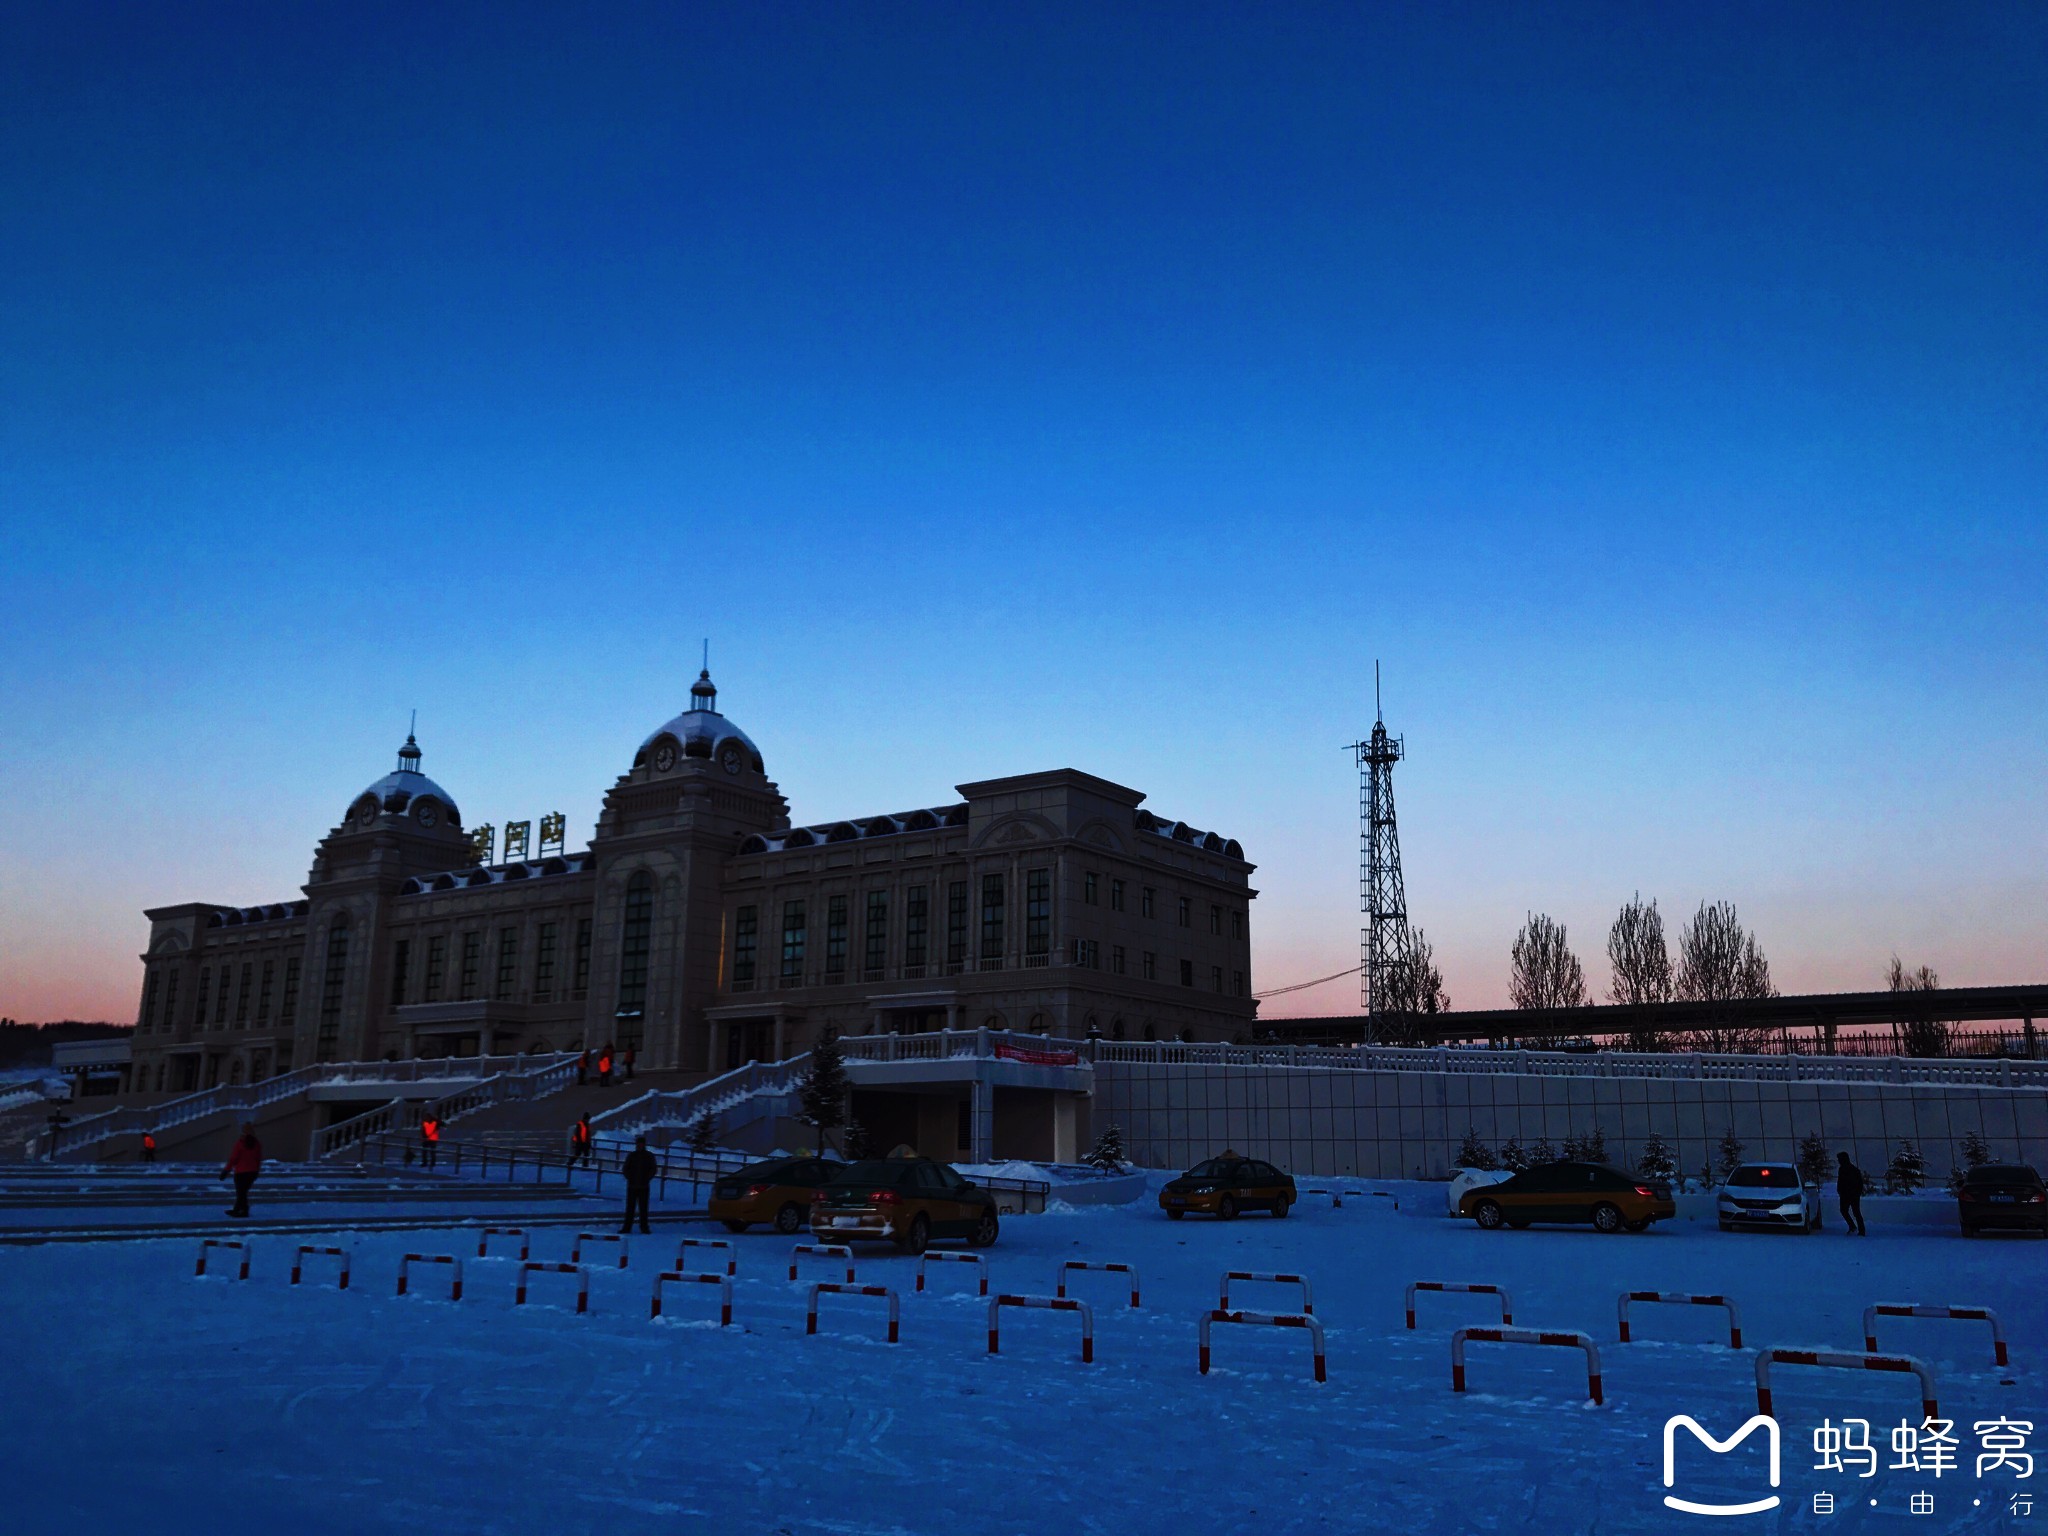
(437, 967)
(331, 984)
(544, 963)
(1150, 966)
(579, 986)
(956, 924)
(1186, 913)
(171, 999)
(1088, 952)
(508, 960)
(1088, 887)
(746, 945)
(1116, 959)
(877, 954)
(636, 939)
(1116, 895)
(401, 959)
(835, 936)
(1038, 911)
(1216, 920)
(1187, 973)
(991, 922)
(263, 993)
(289, 1013)
(220, 996)
(1216, 974)
(243, 993)
(199, 1006)
(792, 940)
(1145, 897)
(1237, 982)
(1236, 923)
(916, 927)
(149, 991)
(472, 962)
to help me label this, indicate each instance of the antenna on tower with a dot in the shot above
(412, 727)
(707, 655)
(1383, 941)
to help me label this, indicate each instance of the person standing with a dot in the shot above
(631, 1054)
(430, 1139)
(149, 1146)
(245, 1161)
(604, 1067)
(583, 1068)
(579, 1140)
(639, 1168)
(1849, 1193)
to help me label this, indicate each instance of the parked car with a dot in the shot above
(1768, 1195)
(2002, 1195)
(1611, 1199)
(908, 1201)
(776, 1193)
(1223, 1186)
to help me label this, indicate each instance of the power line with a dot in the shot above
(1303, 986)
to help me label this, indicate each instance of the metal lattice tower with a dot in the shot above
(1382, 898)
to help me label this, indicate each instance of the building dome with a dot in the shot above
(403, 790)
(699, 731)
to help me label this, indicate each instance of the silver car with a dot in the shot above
(1769, 1195)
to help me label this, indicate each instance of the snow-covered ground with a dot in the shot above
(139, 1399)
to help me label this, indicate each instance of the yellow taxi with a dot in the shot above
(1224, 1185)
(776, 1193)
(908, 1201)
(1613, 1201)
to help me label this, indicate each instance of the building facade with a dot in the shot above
(704, 929)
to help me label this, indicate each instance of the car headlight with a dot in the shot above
(1203, 1189)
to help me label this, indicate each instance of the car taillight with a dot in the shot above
(1966, 1194)
(1647, 1194)
(884, 1197)
(2036, 1198)
(757, 1189)
(818, 1197)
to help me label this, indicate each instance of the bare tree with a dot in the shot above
(1414, 991)
(1642, 966)
(1915, 1034)
(1545, 973)
(1720, 962)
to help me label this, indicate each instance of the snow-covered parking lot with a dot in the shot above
(140, 1399)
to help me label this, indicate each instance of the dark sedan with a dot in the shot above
(2002, 1196)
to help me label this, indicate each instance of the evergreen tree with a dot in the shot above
(822, 1091)
(1474, 1153)
(1512, 1156)
(701, 1135)
(1814, 1161)
(1543, 1152)
(1655, 1160)
(1908, 1170)
(1108, 1153)
(1593, 1146)
(1728, 1154)
(1976, 1151)
(1574, 1149)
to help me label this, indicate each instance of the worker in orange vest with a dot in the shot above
(149, 1146)
(579, 1140)
(604, 1068)
(430, 1140)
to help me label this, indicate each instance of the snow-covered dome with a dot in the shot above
(699, 731)
(401, 790)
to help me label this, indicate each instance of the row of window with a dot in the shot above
(226, 994)
(503, 953)
(1091, 889)
(1087, 952)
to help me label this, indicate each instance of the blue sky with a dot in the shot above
(1658, 392)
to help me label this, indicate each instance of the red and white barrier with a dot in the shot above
(1767, 1358)
(299, 1259)
(1270, 1319)
(1308, 1296)
(483, 1241)
(694, 1277)
(1507, 1302)
(1336, 1195)
(710, 1245)
(1683, 1299)
(811, 1312)
(537, 1267)
(1113, 1269)
(207, 1245)
(822, 1251)
(1914, 1309)
(1525, 1336)
(576, 1253)
(933, 1256)
(455, 1265)
(1051, 1304)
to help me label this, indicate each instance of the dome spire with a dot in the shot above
(409, 754)
(704, 692)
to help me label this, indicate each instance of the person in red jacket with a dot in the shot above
(430, 1141)
(604, 1067)
(579, 1140)
(245, 1161)
(149, 1146)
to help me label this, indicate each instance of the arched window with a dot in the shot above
(1116, 1028)
(331, 981)
(635, 935)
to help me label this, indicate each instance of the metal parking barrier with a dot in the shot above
(1308, 1296)
(697, 1277)
(933, 1256)
(1269, 1319)
(823, 1286)
(1113, 1269)
(207, 1247)
(1507, 1302)
(822, 1251)
(576, 1253)
(1525, 1336)
(1847, 1361)
(710, 1245)
(299, 1259)
(455, 1265)
(1914, 1309)
(539, 1267)
(483, 1241)
(1684, 1299)
(1051, 1304)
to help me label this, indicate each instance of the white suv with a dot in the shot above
(1769, 1195)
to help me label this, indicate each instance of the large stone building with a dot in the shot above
(703, 928)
